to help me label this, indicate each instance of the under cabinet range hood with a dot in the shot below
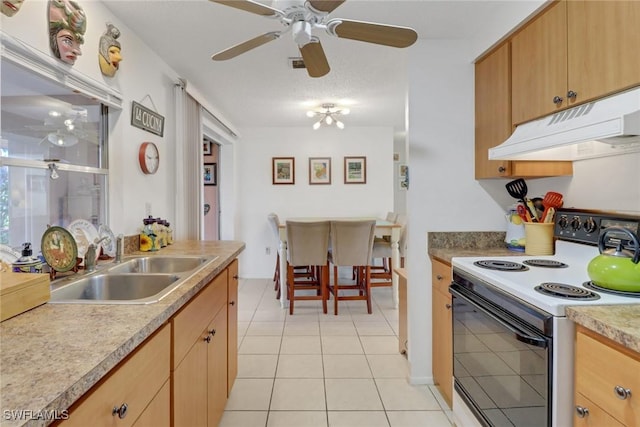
(606, 127)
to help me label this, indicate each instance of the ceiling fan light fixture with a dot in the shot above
(328, 115)
(328, 120)
(339, 124)
(316, 125)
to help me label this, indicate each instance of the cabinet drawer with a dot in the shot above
(441, 276)
(135, 382)
(600, 369)
(189, 323)
(596, 417)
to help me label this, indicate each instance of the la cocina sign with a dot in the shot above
(146, 119)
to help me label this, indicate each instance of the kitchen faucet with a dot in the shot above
(90, 255)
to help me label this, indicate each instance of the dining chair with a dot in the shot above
(352, 245)
(382, 276)
(307, 245)
(274, 223)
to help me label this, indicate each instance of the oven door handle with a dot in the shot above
(521, 335)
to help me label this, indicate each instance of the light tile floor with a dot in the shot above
(315, 369)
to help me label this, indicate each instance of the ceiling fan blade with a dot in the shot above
(236, 50)
(388, 35)
(250, 6)
(314, 58)
(325, 5)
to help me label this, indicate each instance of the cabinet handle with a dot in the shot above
(582, 412)
(235, 276)
(572, 95)
(207, 339)
(232, 303)
(621, 392)
(448, 306)
(502, 169)
(557, 100)
(212, 332)
(121, 411)
(439, 277)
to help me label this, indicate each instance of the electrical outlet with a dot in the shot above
(267, 250)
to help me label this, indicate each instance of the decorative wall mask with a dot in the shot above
(11, 7)
(109, 55)
(67, 25)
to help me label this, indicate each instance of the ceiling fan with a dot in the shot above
(301, 17)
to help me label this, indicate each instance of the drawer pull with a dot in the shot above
(232, 303)
(235, 276)
(207, 339)
(212, 332)
(557, 100)
(621, 392)
(448, 306)
(439, 277)
(121, 411)
(582, 412)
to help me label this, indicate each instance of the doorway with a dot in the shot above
(211, 193)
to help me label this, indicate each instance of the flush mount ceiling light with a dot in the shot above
(328, 116)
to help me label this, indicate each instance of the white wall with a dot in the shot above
(443, 194)
(257, 196)
(143, 77)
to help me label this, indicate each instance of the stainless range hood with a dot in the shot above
(606, 127)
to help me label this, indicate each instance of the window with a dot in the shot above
(53, 157)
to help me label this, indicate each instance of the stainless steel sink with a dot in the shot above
(138, 280)
(159, 264)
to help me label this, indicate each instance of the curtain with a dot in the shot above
(188, 166)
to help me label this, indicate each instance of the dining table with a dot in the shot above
(383, 228)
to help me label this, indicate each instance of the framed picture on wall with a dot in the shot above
(355, 170)
(283, 170)
(206, 147)
(319, 170)
(210, 174)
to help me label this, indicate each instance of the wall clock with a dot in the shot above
(149, 157)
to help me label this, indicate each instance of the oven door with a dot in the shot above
(501, 366)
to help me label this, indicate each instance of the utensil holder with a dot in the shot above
(539, 238)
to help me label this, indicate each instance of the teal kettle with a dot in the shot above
(616, 268)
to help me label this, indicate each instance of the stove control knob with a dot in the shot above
(576, 223)
(563, 222)
(590, 225)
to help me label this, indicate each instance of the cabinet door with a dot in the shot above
(232, 326)
(603, 40)
(539, 65)
(493, 111)
(189, 393)
(217, 368)
(595, 416)
(443, 345)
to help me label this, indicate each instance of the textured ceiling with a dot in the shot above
(259, 88)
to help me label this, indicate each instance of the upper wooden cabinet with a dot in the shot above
(493, 121)
(573, 52)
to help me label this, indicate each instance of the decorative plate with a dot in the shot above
(84, 233)
(8, 255)
(108, 244)
(59, 249)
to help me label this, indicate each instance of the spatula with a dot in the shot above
(550, 200)
(518, 190)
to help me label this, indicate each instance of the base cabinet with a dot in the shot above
(135, 393)
(232, 326)
(442, 329)
(607, 387)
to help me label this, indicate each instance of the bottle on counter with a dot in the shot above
(148, 236)
(169, 234)
(27, 263)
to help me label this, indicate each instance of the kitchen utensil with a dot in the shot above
(616, 268)
(549, 216)
(522, 211)
(532, 209)
(518, 190)
(551, 200)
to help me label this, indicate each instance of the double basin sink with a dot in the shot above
(138, 280)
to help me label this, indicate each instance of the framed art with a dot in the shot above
(355, 170)
(206, 147)
(210, 174)
(283, 170)
(403, 176)
(319, 170)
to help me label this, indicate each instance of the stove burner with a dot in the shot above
(493, 264)
(595, 287)
(561, 290)
(546, 263)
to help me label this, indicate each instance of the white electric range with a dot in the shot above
(513, 345)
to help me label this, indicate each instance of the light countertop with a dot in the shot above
(620, 323)
(53, 354)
